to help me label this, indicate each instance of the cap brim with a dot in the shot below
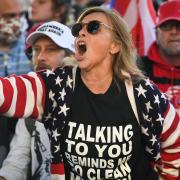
(168, 19)
(59, 41)
(35, 35)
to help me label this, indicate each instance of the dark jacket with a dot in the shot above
(164, 75)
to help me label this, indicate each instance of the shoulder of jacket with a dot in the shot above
(148, 93)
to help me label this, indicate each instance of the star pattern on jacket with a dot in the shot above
(141, 91)
(58, 81)
(57, 148)
(148, 83)
(42, 96)
(69, 82)
(51, 95)
(63, 110)
(60, 90)
(48, 72)
(148, 106)
(151, 122)
(58, 108)
(156, 99)
(55, 134)
(62, 94)
(160, 118)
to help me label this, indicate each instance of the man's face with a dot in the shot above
(10, 9)
(41, 10)
(46, 54)
(168, 38)
(10, 21)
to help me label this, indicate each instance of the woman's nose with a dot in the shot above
(83, 31)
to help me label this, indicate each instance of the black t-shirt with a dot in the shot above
(102, 139)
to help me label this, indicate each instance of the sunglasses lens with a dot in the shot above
(93, 27)
(169, 25)
(178, 26)
(75, 29)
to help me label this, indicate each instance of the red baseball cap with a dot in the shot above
(169, 10)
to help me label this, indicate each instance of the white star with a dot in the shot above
(63, 109)
(141, 91)
(57, 148)
(163, 97)
(148, 83)
(149, 150)
(62, 93)
(144, 131)
(146, 117)
(158, 157)
(54, 104)
(51, 95)
(160, 118)
(55, 134)
(54, 119)
(47, 117)
(48, 72)
(156, 100)
(69, 81)
(153, 139)
(152, 124)
(58, 81)
(148, 106)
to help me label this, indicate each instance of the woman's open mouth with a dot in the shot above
(81, 47)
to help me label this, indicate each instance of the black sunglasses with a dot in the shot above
(169, 25)
(92, 27)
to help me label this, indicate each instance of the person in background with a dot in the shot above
(48, 10)
(162, 64)
(104, 119)
(12, 39)
(77, 6)
(48, 51)
(13, 59)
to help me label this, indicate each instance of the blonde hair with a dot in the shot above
(125, 59)
(69, 61)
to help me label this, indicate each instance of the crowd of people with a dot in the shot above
(78, 102)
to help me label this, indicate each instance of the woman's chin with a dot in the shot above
(82, 66)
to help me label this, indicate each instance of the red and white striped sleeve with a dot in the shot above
(22, 96)
(170, 146)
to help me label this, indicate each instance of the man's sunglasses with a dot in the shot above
(92, 27)
(169, 25)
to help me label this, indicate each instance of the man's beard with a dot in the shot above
(41, 66)
(170, 52)
(10, 30)
(8, 40)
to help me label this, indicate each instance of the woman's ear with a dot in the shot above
(115, 47)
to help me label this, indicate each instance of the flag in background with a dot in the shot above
(140, 16)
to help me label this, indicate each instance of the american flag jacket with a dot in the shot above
(47, 95)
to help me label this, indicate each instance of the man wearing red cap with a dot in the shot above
(162, 64)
